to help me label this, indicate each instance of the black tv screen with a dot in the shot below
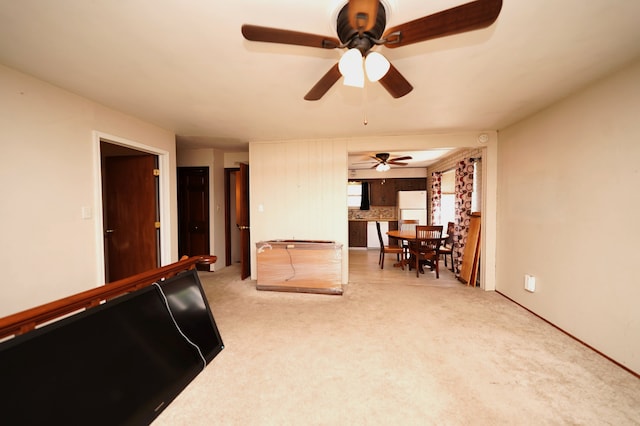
(191, 310)
(119, 363)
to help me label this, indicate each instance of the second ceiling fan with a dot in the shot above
(361, 26)
(383, 163)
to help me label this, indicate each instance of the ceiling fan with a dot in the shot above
(361, 26)
(384, 163)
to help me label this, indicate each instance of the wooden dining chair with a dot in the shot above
(407, 225)
(384, 249)
(447, 246)
(425, 249)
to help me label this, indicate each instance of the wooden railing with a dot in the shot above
(29, 319)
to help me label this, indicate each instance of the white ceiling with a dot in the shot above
(184, 65)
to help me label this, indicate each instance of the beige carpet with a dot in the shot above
(395, 349)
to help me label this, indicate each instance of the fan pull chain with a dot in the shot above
(365, 121)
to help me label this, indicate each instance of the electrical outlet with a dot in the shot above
(530, 283)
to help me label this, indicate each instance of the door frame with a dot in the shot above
(227, 214)
(163, 194)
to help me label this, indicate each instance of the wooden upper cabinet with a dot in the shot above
(385, 194)
(382, 194)
(412, 184)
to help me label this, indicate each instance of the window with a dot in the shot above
(354, 194)
(476, 195)
(448, 197)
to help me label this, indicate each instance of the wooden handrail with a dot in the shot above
(27, 320)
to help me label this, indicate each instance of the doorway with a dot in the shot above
(161, 195)
(193, 212)
(237, 231)
(232, 233)
(130, 214)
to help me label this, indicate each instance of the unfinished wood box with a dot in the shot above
(306, 266)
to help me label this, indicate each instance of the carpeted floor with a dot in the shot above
(395, 349)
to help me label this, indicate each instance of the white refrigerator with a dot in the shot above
(412, 205)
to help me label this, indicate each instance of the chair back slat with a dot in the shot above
(429, 236)
(426, 246)
(408, 224)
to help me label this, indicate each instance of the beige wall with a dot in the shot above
(48, 173)
(567, 205)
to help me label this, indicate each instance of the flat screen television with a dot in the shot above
(119, 363)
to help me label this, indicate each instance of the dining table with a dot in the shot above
(408, 235)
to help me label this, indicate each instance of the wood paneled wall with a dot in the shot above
(298, 191)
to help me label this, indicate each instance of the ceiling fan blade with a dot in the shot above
(467, 17)
(397, 164)
(276, 35)
(406, 157)
(324, 84)
(395, 83)
(362, 14)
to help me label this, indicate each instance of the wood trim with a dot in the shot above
(227, 213)
(627, 369)
(29, 319)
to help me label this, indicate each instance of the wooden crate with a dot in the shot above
(299, 266)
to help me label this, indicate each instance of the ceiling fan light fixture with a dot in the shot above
(376, 66)
(354, 80)
(350, 67)
(383, 167)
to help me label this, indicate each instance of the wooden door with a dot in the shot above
(130, 215)
(193, 212)
(242, 219)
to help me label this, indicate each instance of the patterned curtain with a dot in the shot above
(436, 195)
(464, 191)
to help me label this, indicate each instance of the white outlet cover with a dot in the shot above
(530, 283)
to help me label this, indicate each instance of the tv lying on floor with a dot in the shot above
(119, 363)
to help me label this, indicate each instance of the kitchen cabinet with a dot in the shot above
(357, 233)
(382, 192)
(417, 184)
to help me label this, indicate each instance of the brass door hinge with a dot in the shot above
(156, 172)
(157, 225)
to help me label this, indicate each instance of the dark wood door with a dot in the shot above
(193, 211)
(130, 216)
(242, 219)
